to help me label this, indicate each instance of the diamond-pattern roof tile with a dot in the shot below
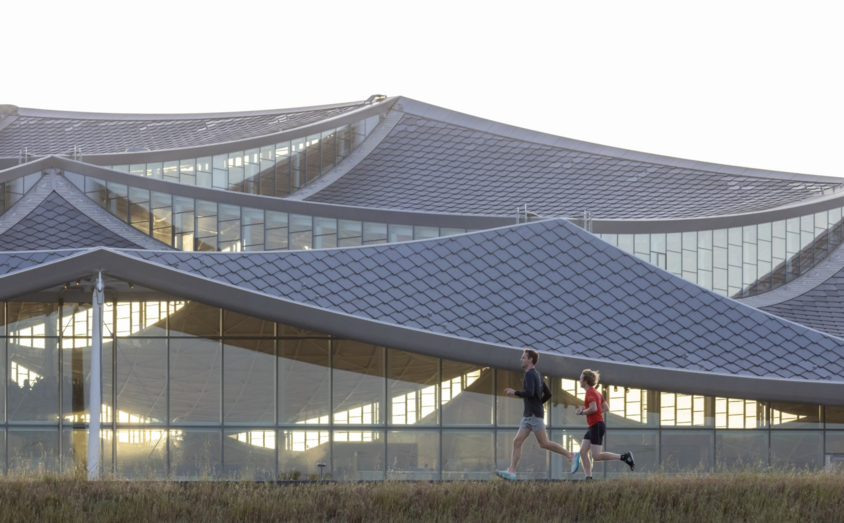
(424, 165)
(667, 337)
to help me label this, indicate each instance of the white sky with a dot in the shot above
(757, 84)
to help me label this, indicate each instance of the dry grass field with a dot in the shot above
(764, 497)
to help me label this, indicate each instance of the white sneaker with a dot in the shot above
(575, 462)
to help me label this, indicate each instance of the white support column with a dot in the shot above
(95, 401)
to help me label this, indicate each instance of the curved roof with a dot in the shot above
(55, 224)
(44, 132)
(480, 297)
(436, 160)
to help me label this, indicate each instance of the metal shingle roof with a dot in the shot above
(53, 132)
(434, 166)
(56, 224)
(507, 286)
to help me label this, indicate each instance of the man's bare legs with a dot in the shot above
(598, 455)
(547, 444)
(518, 441)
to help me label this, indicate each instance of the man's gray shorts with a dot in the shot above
(533, 423)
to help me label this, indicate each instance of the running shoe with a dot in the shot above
(587, 478)
(506, 474)
(627, 457)
(575, 462)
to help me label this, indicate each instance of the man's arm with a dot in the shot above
(546, 392)
(530, 386)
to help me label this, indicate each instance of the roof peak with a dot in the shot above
(90, 115)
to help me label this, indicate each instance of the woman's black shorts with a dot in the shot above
(596, 433)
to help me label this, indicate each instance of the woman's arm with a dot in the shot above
(591, 410)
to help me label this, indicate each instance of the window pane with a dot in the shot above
(141, 383)
(835, 417)
(249, 455)
(358, 455)
(299, 453)
(688, 450)
(358, 383)
(739, 414)
(33, 386)
(834, 442)
(195, 454)
(194, 319)
(235, 324)
(303, 366)
(741, 449)
(795, 416)
(76, 371)
(798, 449)
(467, 454)
(33, 450)
(195, 380)
(643, 444)
(630, 407)
(141, 454)
(467, 394)
(413, 455)
(27, 319)
(412, 382)
(249, 381)
(683, 410)
(423, 233)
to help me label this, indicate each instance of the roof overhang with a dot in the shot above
(187, 285)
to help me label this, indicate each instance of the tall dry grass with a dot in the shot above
(743, 496)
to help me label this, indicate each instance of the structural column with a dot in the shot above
(95, 401)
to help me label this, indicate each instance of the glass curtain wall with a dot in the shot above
(190, 224)
(272, 170)
(741, 261)
(192, 391)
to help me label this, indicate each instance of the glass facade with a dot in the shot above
(13, 190)
(191, 224)
(193, 391)
(272, 170)
(741, 261)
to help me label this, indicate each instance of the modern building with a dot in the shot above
(353, 284)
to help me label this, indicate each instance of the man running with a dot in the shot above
(594, 438)
(535, 394)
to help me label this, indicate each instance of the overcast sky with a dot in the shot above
(757, 84)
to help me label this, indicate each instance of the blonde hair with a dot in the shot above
(533, 355)
(591, 377)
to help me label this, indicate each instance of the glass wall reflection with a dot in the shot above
(190, 224)
(193, 391)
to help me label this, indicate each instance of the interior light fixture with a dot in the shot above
(77, 282)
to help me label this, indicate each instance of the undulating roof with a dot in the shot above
(435, 166)
(820, 307)
(547, 285)
(43, 132)
(56, 224)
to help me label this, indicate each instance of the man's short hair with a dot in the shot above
(591, 377)
(533, 355)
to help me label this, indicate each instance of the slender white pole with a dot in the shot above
(95, 400)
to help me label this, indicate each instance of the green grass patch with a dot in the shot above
(764, 497)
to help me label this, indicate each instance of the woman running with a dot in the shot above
(594, 438)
